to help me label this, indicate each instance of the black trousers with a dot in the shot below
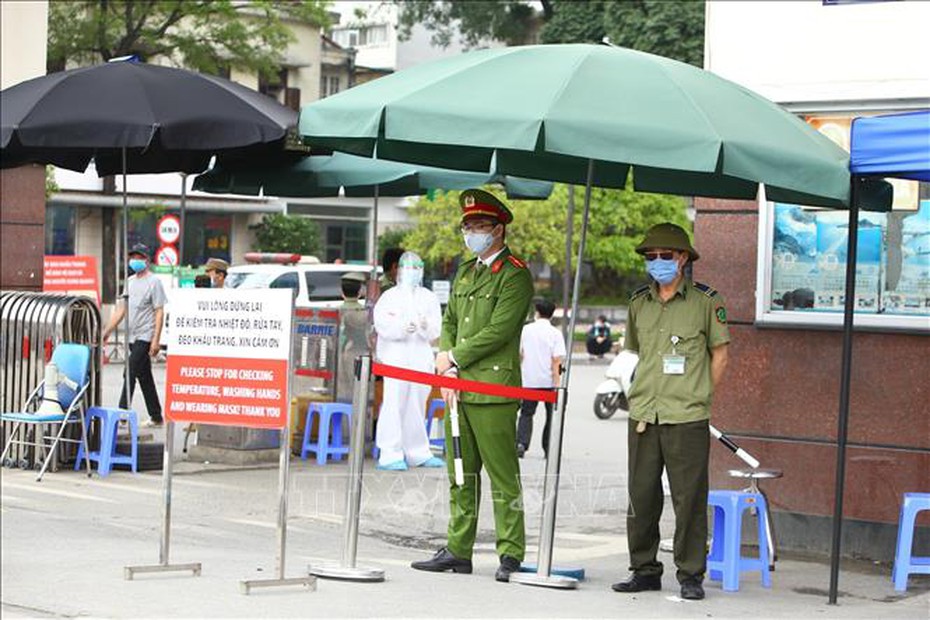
(140, 369)
(525, 424)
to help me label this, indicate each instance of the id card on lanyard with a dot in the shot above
(673, 363)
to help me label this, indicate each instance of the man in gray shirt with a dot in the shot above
(146, 311)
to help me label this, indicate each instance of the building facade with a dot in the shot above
(781, 270)
(23, 32)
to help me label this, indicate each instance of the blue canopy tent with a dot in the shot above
(894, 145)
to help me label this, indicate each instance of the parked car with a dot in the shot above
(318, 285)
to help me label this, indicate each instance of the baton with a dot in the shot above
(456, 442)
(735, 449)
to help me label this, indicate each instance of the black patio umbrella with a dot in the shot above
(130, 117)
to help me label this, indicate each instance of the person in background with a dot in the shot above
(146, 312)
(389, 265)
(407, 320)
(679, 329)
(542, 351)
(598, 338)
(217, 269)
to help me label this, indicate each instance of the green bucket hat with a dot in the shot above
(670, 236)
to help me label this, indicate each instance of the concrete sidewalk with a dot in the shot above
(66, 540)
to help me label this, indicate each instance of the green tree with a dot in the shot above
(617, 223)
(51, 185)
(287, 233)
(672, 28)
(391, 238)
(203, 35)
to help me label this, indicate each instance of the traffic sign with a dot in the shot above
(167, 256)
(169, 229)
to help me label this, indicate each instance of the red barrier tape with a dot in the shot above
(464, 385)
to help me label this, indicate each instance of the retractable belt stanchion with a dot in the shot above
(543, 575)
(308, 581)
(348, 570)
(163, 565)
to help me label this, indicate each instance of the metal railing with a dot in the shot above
(31, 326)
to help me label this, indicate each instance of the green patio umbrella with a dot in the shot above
(323, 176)
(584, 114)
(546, 111)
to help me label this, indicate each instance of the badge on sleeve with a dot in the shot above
(721, 314)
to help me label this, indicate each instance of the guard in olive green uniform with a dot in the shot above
(480, 341)
(679, 329)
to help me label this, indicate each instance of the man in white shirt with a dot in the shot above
(542, 350)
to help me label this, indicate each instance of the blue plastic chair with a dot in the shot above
(330, 416)
(725, 561)
(72, 360)
(436, 410)
(107, 456)
(905, 563)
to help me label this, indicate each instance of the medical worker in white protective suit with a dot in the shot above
(407, 319)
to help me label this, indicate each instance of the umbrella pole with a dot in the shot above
(127, 391)
(843, 418)
(182, 218)
(543, 575)
(566, 274)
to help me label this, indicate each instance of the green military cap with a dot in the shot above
(357, 276)
(479, 202)
(667, 235)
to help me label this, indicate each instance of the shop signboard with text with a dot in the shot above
(228, 353)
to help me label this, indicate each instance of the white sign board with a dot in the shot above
(442, 289)
(228, 353)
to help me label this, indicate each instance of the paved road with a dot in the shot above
(65, 542)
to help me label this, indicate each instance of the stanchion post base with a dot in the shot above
(307, 581)
(129, 572)
(337, 571)
(544, 581)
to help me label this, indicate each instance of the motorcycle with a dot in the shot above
(610, 395)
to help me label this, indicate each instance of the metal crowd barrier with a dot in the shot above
(31, 326)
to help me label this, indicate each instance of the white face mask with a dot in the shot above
(477, 242)
(409, 277)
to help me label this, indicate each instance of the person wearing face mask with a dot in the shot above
(407, 320)
(480, 341)
(217, 269)
(597, 340)
(679, 329)
(146, 311)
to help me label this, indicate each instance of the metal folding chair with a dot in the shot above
(73, 361)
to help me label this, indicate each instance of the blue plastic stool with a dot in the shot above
(435, 406)
(725, 561)
(904, 563)
(107, 456)
(330, 416)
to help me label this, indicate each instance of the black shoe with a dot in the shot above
(692, 589)
(443, 561)
(521, 450)
(509, 564)
(639, 583)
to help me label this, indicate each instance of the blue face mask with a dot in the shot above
(662, 271)
(478, 242)
(136, 264)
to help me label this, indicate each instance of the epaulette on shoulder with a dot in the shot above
(516, 262)
(707, 290)
(639, 292)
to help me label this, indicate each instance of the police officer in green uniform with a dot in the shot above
(480, 341)
(679, 329)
